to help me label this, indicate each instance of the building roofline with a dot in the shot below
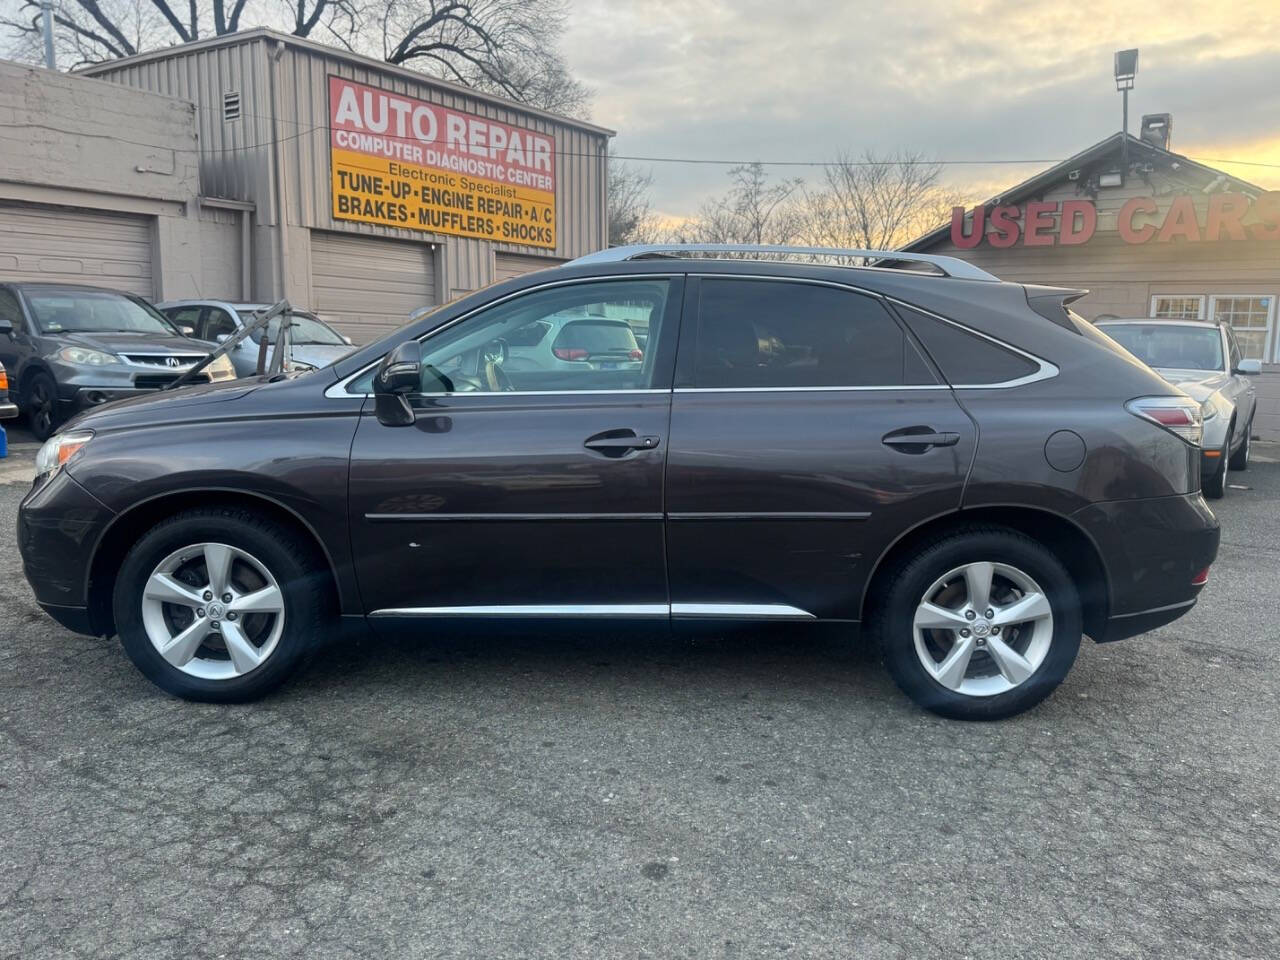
(265, 33)
(1048, 177)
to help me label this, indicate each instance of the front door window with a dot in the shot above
(1250, 318)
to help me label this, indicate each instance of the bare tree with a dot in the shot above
(876, 202)
(753, 210)
(507, 47)
(631, 218)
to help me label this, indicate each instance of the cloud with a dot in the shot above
(803, 80)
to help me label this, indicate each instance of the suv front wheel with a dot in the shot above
(219, 604)
(980, 625)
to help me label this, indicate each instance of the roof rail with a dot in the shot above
(949, 266)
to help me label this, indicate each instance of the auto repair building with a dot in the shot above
(259, 165)
(1149, 233)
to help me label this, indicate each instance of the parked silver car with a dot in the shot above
(1203, 360)
(313, 342)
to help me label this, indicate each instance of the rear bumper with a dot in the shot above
(1153, 550)
(8, 411)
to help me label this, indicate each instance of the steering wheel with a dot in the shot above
(495, 378)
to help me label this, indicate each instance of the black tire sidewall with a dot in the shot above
(267, 541)
(896, 636)
(29, 389)
(1215, 485)
(1241, 460)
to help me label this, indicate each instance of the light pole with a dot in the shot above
(1126, 68)
(46, 17)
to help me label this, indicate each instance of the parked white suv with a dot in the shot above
(563, 342)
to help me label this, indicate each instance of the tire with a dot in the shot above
(272, 633)
(1046, 645)
(1214, 486)
(1240, 459)
(40, 404)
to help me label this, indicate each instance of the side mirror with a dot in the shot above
(6, 327)
(348, 341)
(399, 373)
(187, 331)
(1250, 368)
(221, 338)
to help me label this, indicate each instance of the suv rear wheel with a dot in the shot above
(980, 625)
(1240, 459)
(219, 605)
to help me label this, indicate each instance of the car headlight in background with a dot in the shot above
(221, 369)
(86, 357)
(58, 450)
(1207, 410)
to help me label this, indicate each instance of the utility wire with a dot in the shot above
(708, 161)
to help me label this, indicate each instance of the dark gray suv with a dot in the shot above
(958, 468)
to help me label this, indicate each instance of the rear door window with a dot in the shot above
(770, 334)
(966, 358)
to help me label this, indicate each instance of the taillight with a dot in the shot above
(1178, 415)
(636, 354)
(4, 380)
(569, 353)
(1201, 578)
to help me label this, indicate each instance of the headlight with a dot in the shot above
(58, 450)
(1207, 410)
(86, 357)
(221, 369)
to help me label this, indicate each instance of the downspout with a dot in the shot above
(278, 148)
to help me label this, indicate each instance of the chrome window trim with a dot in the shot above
(339, 390)
(509, 517)
(1046, 371)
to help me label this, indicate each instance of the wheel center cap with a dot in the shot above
(216, 611)
(981, 628)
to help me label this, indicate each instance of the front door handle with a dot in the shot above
(616, 443)
(920, 439)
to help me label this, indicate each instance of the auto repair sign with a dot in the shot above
(402, 162)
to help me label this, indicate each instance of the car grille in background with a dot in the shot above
(162, 359)
(156, 381)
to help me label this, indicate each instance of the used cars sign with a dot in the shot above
(403, 162)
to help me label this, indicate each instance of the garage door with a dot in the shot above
(508, 265)
(60, 245)
(366, 286)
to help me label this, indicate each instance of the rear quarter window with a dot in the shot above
(963, 357)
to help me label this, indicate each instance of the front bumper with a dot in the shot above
(1153, 550)
(58, 525)
(8, 411)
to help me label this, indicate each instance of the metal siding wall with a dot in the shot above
(237, 160)
(236, 157)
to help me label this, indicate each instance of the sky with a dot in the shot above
(953, 79)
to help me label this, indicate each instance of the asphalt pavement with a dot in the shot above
(642, 797)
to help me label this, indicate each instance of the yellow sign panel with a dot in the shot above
(395, 194)
(402, 162)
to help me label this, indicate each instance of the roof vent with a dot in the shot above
(1157, 130)
(231, 106)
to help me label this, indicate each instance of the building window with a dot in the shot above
(1177, 308)
(1249, 317)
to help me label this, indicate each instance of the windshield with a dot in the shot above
(93, 311)
(305, 329)
(1170, 346)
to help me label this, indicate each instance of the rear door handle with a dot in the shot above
(615, 443)
(900, 439)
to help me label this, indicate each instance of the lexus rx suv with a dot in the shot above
(959, 470)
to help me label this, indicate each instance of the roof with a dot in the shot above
(336, 53)
(1045, 179)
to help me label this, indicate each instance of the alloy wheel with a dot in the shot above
(213, 611)
(983, 628)
(41, 409)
